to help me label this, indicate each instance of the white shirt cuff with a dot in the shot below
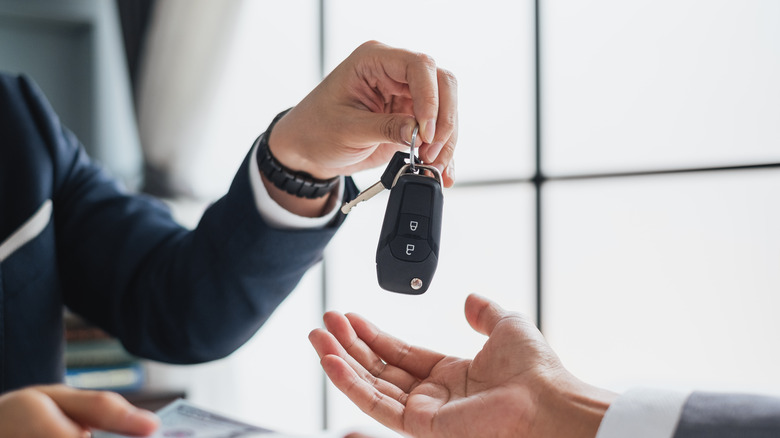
(277, 216)
(643, 413)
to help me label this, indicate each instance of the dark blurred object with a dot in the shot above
(153, 400)
(134, 17)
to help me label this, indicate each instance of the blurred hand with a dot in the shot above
(365, 110)
(57, 411)
(514, 387)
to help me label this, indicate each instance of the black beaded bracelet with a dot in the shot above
(298, 183)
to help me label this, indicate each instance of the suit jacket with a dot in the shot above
(711, 415)
(69, 235)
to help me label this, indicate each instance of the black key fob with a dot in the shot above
(408, 250)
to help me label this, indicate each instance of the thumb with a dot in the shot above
(483, 314)
(371, 128)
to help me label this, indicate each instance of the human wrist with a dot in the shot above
(290, 180)
(285, 145)
(570, 408)
(307, 208)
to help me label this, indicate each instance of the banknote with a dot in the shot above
(181, 419)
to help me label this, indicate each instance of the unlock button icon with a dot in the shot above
(413, 225)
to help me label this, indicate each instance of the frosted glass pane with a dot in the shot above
(268, 63)
(671, 281)
(488, 45)
(487, 247)
(651, 84)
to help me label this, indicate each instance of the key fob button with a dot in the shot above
(413, 225)
(409, 249)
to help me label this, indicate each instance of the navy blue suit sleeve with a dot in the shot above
(168, 293)
(714, 415)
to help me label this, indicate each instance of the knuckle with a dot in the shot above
(370, 43)
(104, 400)
(377, 367)
(425, 60)
(376, 399)
(447, 152)
(31, 403)
(450, 149)
(432, 100)
(448, 122)
(404, 353)
(448, 77)
(368, 46)
(29, 397)
(391, 128)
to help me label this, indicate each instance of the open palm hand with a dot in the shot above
(502, 392)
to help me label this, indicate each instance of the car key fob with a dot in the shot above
(408, 250)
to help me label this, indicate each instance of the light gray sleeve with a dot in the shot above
(713, 415)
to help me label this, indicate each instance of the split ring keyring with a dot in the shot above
(411, 147)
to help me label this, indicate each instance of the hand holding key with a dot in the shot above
(366, 109)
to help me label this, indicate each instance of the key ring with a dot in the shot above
(429, 168)
(411, 147)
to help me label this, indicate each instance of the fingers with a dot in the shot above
(397, 129)
(440, 141)
(341, 328)
(449, 174)
(30, 413)
(483, 314)
(433, 94)
(377, 62)
(382, 128)
(420, 73)
(379, 406)
(417, 361)
(441, 150)
(102, 410)
(326, 344)
(342, 342)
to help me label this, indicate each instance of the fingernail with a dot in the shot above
(406, 133)
(451, 171)
(428, 130)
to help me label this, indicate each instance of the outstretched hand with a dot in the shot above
(514, 387)
(365, 110)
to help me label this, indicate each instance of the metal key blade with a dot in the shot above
(365, 195)
(395, 164)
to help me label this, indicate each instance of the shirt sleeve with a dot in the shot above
(643, 413)
(277, 216)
